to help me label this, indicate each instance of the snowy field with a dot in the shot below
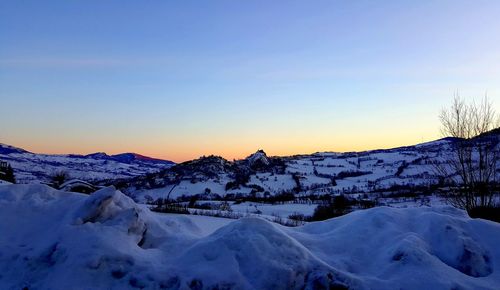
(281, 210)
(307, 209)
(59, 240)
(371, 172)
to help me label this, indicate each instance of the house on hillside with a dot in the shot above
(75, 185)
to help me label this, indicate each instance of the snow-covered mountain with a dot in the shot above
(410, 168)
(258, 159)
(36, 168)
(58, 240)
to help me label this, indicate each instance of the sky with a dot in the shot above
(182, 79)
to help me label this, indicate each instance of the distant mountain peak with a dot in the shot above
(8, 149)
(258, 159)
(130, 157)
(126, 157)
(35, 167)
(98, 155)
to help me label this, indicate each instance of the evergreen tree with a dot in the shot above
(7, 173)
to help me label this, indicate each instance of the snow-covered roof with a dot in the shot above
(76, 182)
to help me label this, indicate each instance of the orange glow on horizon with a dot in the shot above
(230, 150)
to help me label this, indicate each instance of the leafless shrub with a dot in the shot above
(470, 171)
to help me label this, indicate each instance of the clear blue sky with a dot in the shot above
(178, 79)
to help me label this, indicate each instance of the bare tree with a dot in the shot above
(471, 168)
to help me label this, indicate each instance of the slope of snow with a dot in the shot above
(375, 173)
(414, 248)
(38, 168)
(57, 240)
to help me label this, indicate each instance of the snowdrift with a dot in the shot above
(58, 240)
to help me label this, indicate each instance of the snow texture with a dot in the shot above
(59, 240)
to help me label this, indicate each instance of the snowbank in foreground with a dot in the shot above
(58, 240)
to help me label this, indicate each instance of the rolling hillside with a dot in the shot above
(38, 168)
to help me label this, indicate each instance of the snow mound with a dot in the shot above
(109, 206)
(257, 255)
(434, 248)
(3, 182)
(59, 240)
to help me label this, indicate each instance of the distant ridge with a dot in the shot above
(8, 149)
(121, 157)
(32, 167)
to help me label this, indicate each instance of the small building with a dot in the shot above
(76, 185)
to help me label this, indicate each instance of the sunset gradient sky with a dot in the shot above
(180, 79)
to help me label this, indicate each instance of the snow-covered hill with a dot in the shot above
(383, 172)
(406, 171)
(58, 240)
(35, 168)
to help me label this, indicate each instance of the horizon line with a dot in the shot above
(229, 159)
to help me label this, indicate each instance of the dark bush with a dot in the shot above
(59, 178)
(365, 204)
(206, 206)
(162, 205)
(232, 185)
(401, 168)
(281, 197)
(192, 201)
(297, 217)
(487, 213)
(296, 178)
(6, 172)
(339, 206)
(345, 174)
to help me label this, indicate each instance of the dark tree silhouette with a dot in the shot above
(59, 178)
(471, 169)
(6, 172)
